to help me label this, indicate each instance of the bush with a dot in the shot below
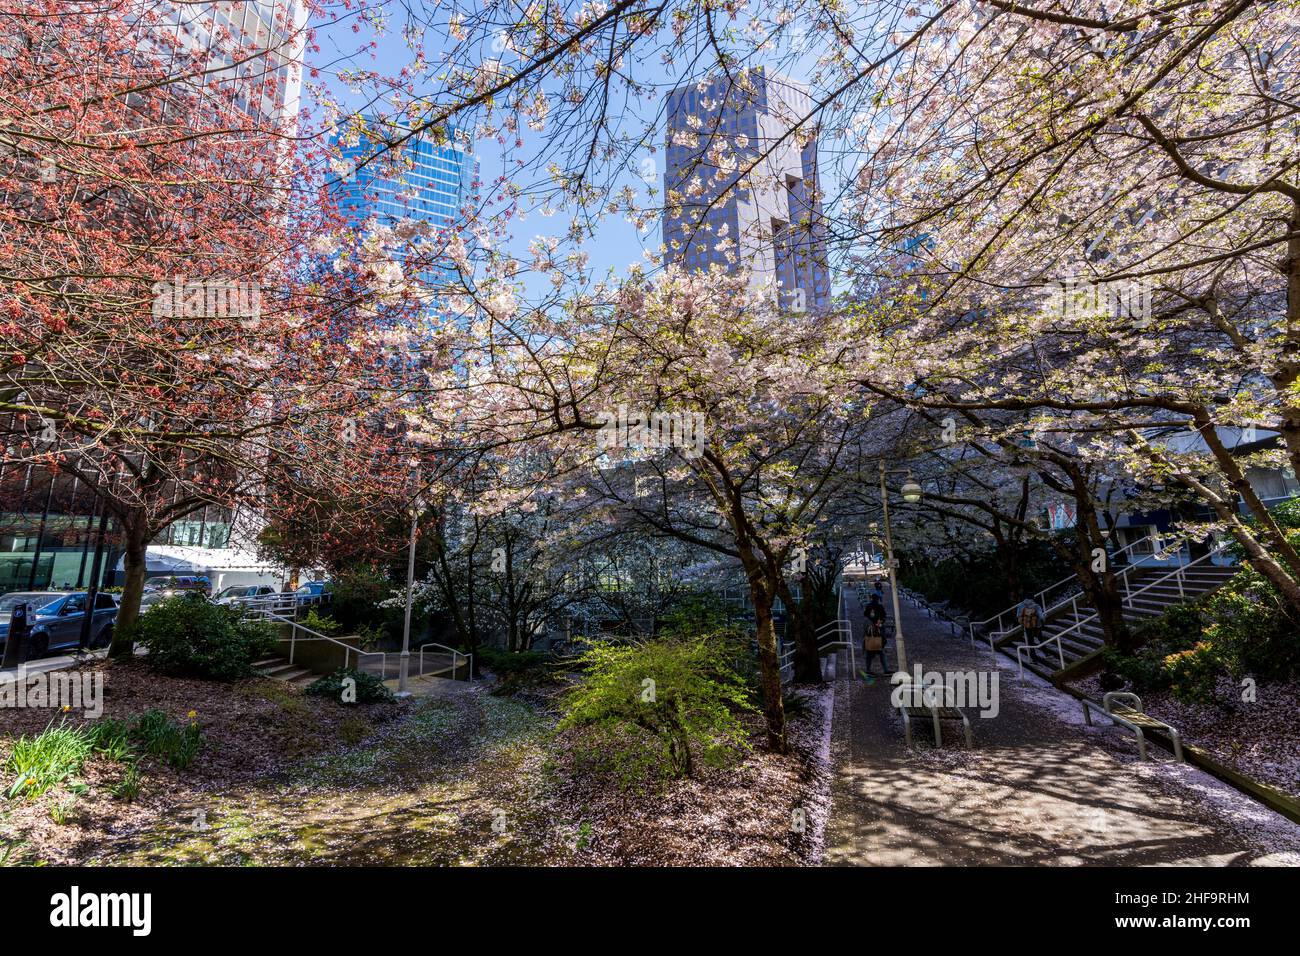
(976, 583)
(191, 637)
(1242, 628)
(320, 623)
(356, 596)
(351, 686)
(515, 670)
(653, 710)
(695, 613)
(1192, 673)
(1252, 629)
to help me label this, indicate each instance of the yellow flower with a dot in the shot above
(67, 707)
(192, 714)
(31, 781)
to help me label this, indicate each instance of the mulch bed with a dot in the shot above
(769, 809)
(250, 729)
(1260, 739)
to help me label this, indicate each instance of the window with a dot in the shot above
(104, 602)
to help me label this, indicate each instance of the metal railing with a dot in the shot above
(1179, 574)
(295, 627)
(832, 634)
(456, 657)
(1026, 648)
(1041, 598)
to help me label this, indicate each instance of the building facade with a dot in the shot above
(424, 180)
(741, 185)
(51, 524)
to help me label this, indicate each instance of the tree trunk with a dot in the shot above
(769, 667)
(801, 617)
(135, 569)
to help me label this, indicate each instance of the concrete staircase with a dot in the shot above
(279, 668)
(1077, 642)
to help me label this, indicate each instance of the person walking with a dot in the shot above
(873, 640)
(1030, 616)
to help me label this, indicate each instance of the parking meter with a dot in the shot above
(16, 642)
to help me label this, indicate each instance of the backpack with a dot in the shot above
(1029, 618)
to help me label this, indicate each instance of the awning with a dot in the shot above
(181, 559)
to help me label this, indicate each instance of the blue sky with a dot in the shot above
(617, 243)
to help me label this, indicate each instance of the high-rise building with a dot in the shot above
(741, 184)
(51, 523)
(253, 47)
(425, 180)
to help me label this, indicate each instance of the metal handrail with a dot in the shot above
(1054, 639)
(1038, 598)
(1129, 595)
(455, 655)
(295, 627)
(840, 629)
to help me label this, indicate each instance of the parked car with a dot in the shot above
(55, 618)
(238, 593)
(313, 592)
(169, 585)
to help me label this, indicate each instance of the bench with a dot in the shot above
(1125, 709)
(933, 711)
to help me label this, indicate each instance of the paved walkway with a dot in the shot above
(1038, 788)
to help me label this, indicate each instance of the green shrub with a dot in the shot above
(189, 636)
(511, 662)
(370, 637)
(697, 613)
(1143, 671)
(976, 583)
(356, 596)
(363, 688)
(1192, 673)
(1242, 628)
(653, 710)
(1252, 628)
(320, 623)
(1177, 629)
(515, 670)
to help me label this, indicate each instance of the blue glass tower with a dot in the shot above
(426, 179)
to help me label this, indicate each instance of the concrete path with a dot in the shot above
(1038, 788)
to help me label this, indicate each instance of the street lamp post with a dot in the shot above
(911, 493)
(404, 664)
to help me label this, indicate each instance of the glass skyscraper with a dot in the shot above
(773, 226)
(424, 179)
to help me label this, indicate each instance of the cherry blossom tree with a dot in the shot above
(173, 337)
